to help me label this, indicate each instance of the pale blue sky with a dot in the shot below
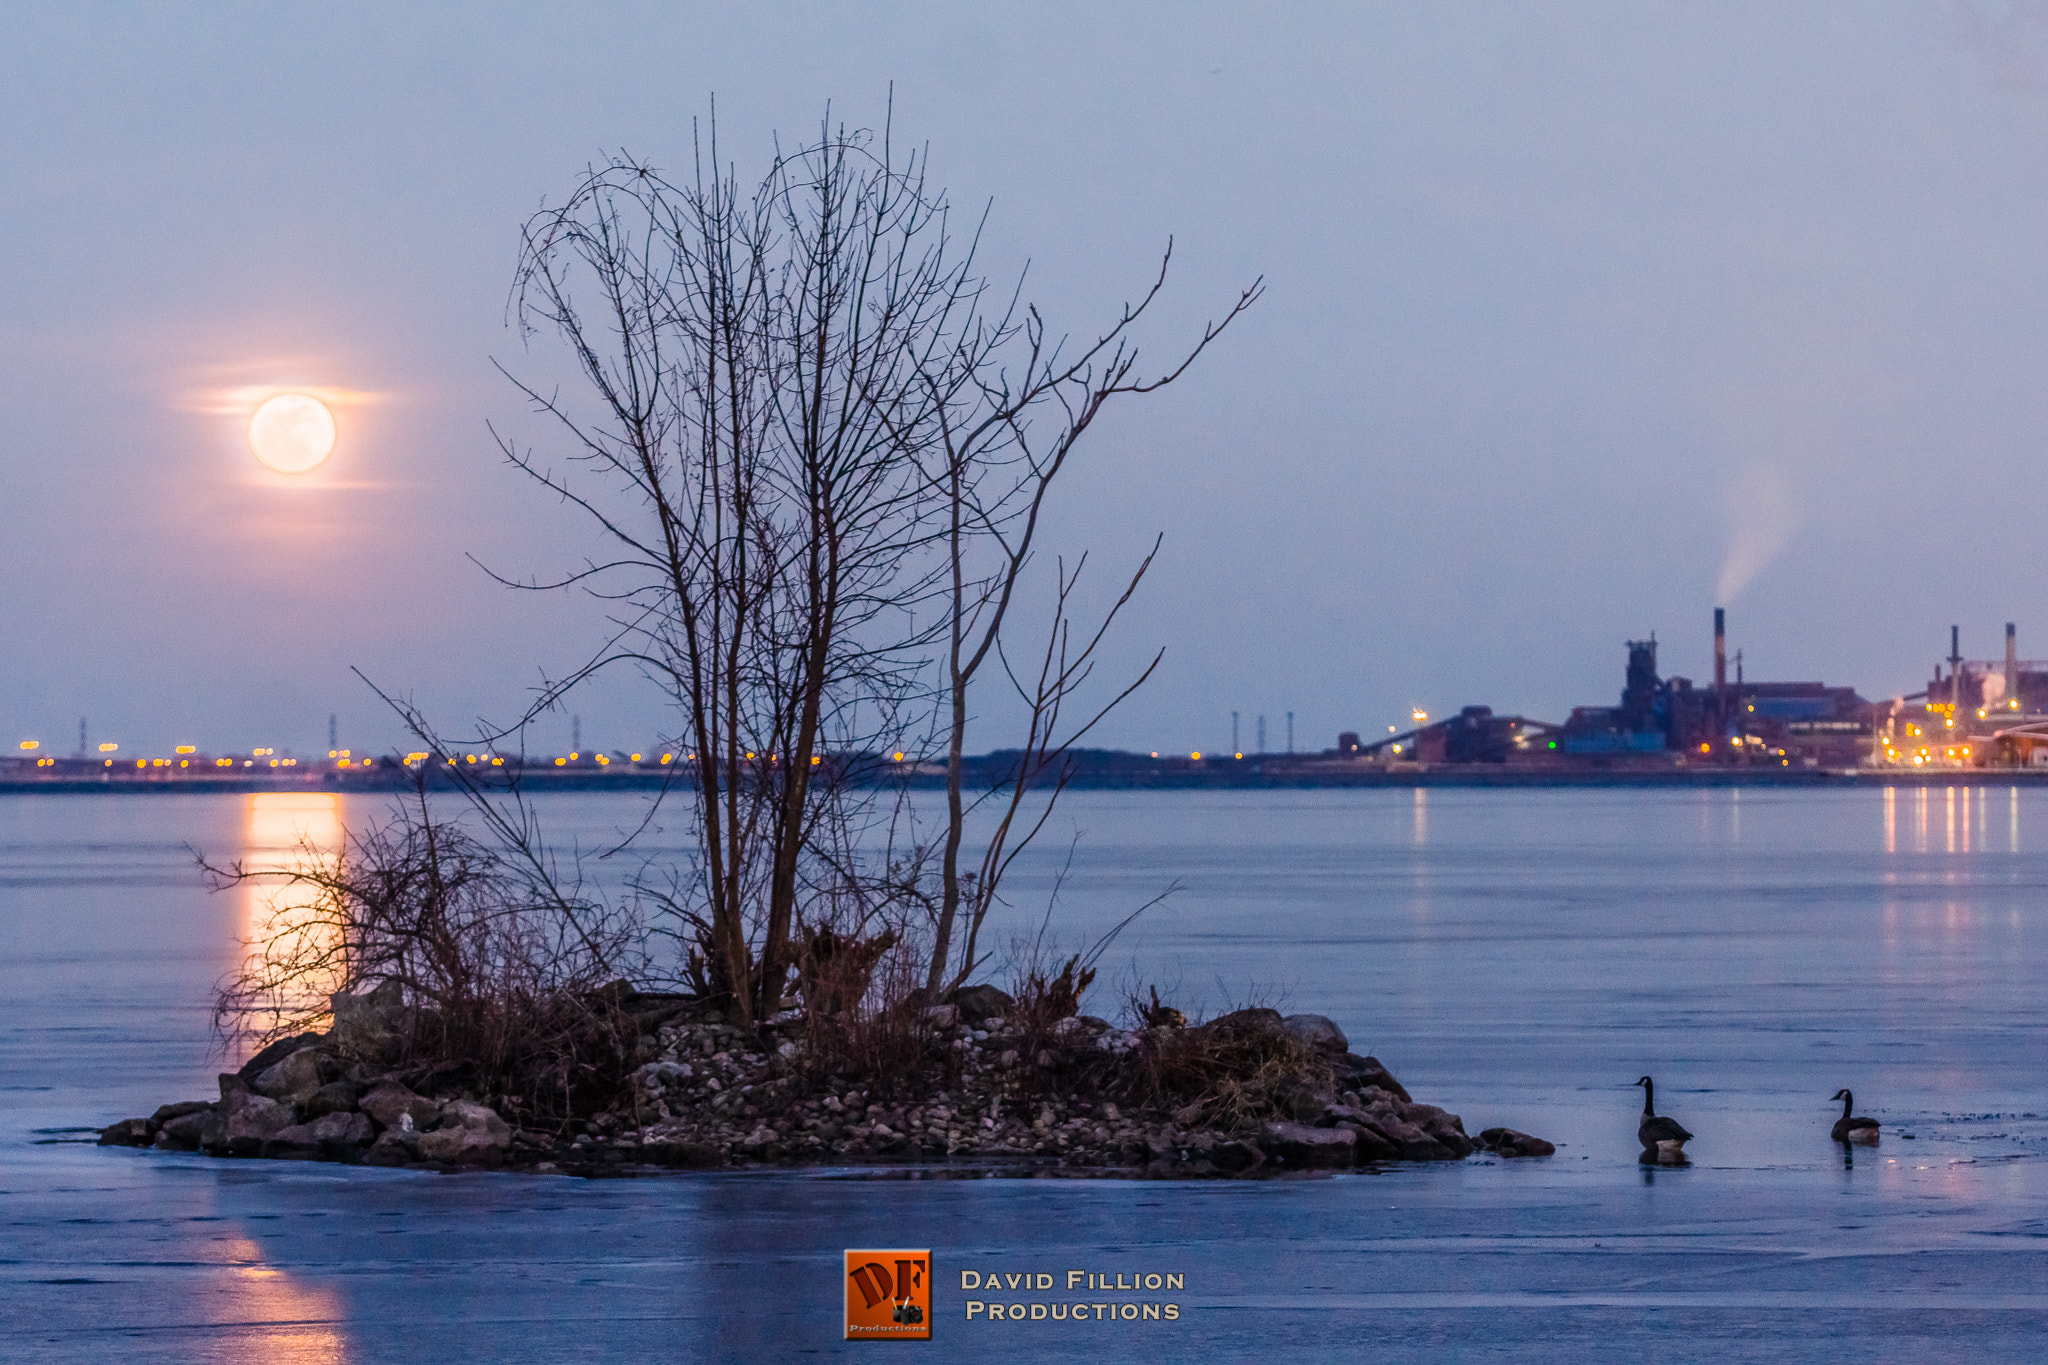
(1577, 314)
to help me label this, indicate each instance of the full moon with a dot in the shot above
(292, 432)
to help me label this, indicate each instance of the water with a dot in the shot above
(1518, 956)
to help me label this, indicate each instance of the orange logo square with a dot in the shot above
(888, 1296)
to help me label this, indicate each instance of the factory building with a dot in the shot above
(1976, 713)
(1779, 723)
(1474, 735)
(1669, 722)
(2011, 684)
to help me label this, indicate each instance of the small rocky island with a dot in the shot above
(1248, 1093)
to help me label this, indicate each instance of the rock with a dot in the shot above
(941, 1016)
(978, 1004)
(1086, 1031)
(1449, 1132)
(277, 1052)
(1509, 1143)
(295, 1143)
(1367, 1071)
(388, 1100)
(1255, 1020)
(183, 1133)
(1317, 1033)
(1413, 1143)
(232, 1083)
(469, 1134)
(1457, 1144)
(1306, 1101)
(338, 1134)
(252, 1121)
(654, 1077)
(1308, 1148)
(366, 1024)
(128, 1133)
(177, 1111)
(393, 1147)
(1445, 1129)
(336, 1097)
(294, 1080)
(1372, 1144)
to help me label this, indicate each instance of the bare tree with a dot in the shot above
(761, 365)
(1004, 437)
(797, 428)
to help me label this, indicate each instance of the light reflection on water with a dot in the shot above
(300, 1323)
(289, 832)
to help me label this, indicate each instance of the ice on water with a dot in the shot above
(1518, 956)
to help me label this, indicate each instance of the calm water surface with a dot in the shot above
(1518, 956)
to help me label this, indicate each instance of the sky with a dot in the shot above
(1581, 319)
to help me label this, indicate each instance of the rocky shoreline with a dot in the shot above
(703, 1094)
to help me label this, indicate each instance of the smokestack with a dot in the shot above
(2012, 664)
(1720, 649)
(1955, 668)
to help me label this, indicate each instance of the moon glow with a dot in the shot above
(292, 432)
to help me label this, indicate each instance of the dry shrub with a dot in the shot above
(1044, 1000)
(1239, 1069)
(496, 974)
(1058, 1056)
(1155, 1013)
(863, 1015)
(835, 972)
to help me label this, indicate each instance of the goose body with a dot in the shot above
(1661, 1137)
(1850, 1128)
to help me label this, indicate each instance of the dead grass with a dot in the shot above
(1233, 1071)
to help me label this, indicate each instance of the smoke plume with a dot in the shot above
(1763, 515)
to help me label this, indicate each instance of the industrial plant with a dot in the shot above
(1977, 714)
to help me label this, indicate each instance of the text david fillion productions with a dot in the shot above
(1066, 1307)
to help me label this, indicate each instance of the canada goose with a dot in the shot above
(1661, 1137)
(1849, 1129)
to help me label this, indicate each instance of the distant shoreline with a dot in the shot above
(1179, 776)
